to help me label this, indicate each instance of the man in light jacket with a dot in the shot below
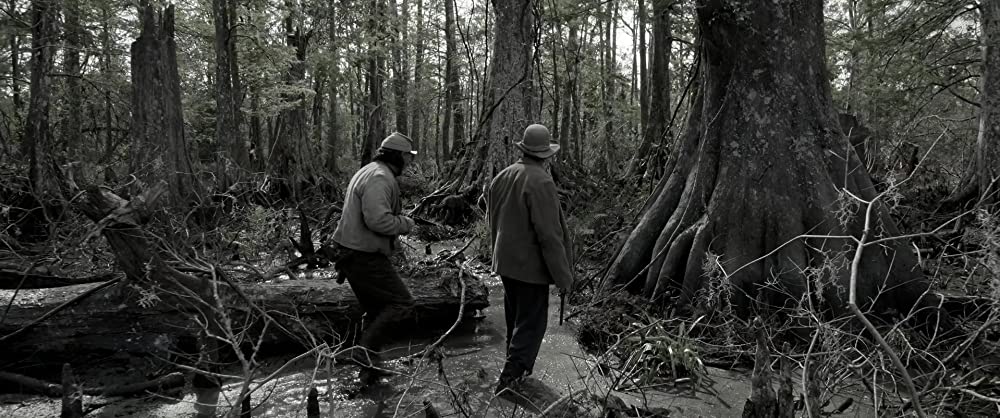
(367, 233)
(531, 250)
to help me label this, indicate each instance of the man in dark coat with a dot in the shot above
(367, 234)
(531, 250)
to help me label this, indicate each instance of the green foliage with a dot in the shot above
(909, 71)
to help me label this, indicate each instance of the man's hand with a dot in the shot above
(409, 224)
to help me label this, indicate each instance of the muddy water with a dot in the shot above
(474, 357)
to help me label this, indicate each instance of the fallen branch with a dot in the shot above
(427, 351)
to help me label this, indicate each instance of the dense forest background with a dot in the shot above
(292, 89)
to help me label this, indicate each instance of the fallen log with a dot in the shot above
(305, 311)
(15, 276)
(166, 305)
(28, 384)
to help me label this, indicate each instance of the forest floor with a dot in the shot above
(704, 373)
(462, 385)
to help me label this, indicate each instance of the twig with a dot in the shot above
(284, 366)
(430, 348)
(852, 305)
(24, 276)
(461, 250)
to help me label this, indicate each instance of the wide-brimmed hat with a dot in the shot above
(536, 141)
(399, 142)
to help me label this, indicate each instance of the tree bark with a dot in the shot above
(374, 107)
(37, 139)
(982, 180)
(113, 321)
(292, 159)
(333, 116)
(577, 111)
(159, 148)
(513, 106)
(451, 127)
(257, 137)
(71, 137)
(319, 86)
(658, 120)
(511, 87)
(988, 142)
(763, 161)
(571, 57)
(416, 104)
(401, 66)
(228, 94)
(15, 64)
(643, 77)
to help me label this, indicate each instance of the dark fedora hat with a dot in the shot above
(536, 141)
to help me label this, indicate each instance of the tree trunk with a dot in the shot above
(988, 142)
(71, 138)
(375, 106)
(113, 321)
(15, 65)
(37, 139)
(450, 128)
(228, 94)
(512, 107)
(982, 180)
(658, 120)
(762, 162)
(333, 117)
(159, 148)
(569, 126)
(319, 86)
(577, 110)
(106, 46)
(511, 88)
(608, 89)
(554, 125)
(401, 66)
(643, 77)
(417, 104)
(292, 159)
(257, 137)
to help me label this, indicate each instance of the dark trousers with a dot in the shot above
(526, 310)
(382, 294)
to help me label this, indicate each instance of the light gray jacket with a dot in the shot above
(371, 219)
